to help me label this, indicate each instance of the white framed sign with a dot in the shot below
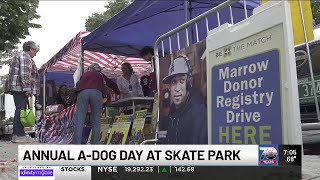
(252, 80)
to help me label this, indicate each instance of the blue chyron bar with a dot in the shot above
(287, 159)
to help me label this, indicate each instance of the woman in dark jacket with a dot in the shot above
(91, 89)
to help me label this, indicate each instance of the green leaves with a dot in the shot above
(315, 6)
(15, 21)
(97, 19)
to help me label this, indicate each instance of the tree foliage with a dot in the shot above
(315, 6)
(112, 8)
(6, 56)
(15, 21)
(5, 59)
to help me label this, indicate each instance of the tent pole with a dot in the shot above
(190, 17)
(44, 91)
(186, 10)
(157, 71)
(186, 20)
(81, 61)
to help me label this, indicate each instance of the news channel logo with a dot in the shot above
(268, 155)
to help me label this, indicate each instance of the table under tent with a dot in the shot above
(56, 124)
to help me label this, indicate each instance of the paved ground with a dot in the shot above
(310, 161)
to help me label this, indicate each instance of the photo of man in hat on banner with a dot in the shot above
(186, 120)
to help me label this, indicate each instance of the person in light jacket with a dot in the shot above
(128, 83)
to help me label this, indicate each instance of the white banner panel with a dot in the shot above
(252, 80)
(143, 155)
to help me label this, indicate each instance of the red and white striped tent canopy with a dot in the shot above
(66, 60)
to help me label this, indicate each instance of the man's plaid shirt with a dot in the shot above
(23, 75)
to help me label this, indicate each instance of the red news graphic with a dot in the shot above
(268, 156)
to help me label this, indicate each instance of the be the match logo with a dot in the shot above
(268, 155)
(227, 51)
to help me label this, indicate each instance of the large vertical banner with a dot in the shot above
(182, 103)
(252, 92)
(246, 98)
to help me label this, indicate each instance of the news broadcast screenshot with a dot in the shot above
(154, 89)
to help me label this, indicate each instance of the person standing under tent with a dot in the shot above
(187, 119)
(147, 53)
(22, 82)
(91, 88)
(128, 83)
(145, 84)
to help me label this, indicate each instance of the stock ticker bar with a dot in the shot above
(284, 162)
(192, 172)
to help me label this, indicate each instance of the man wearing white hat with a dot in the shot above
(187, 119)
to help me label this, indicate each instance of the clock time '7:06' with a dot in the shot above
(289, 152)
